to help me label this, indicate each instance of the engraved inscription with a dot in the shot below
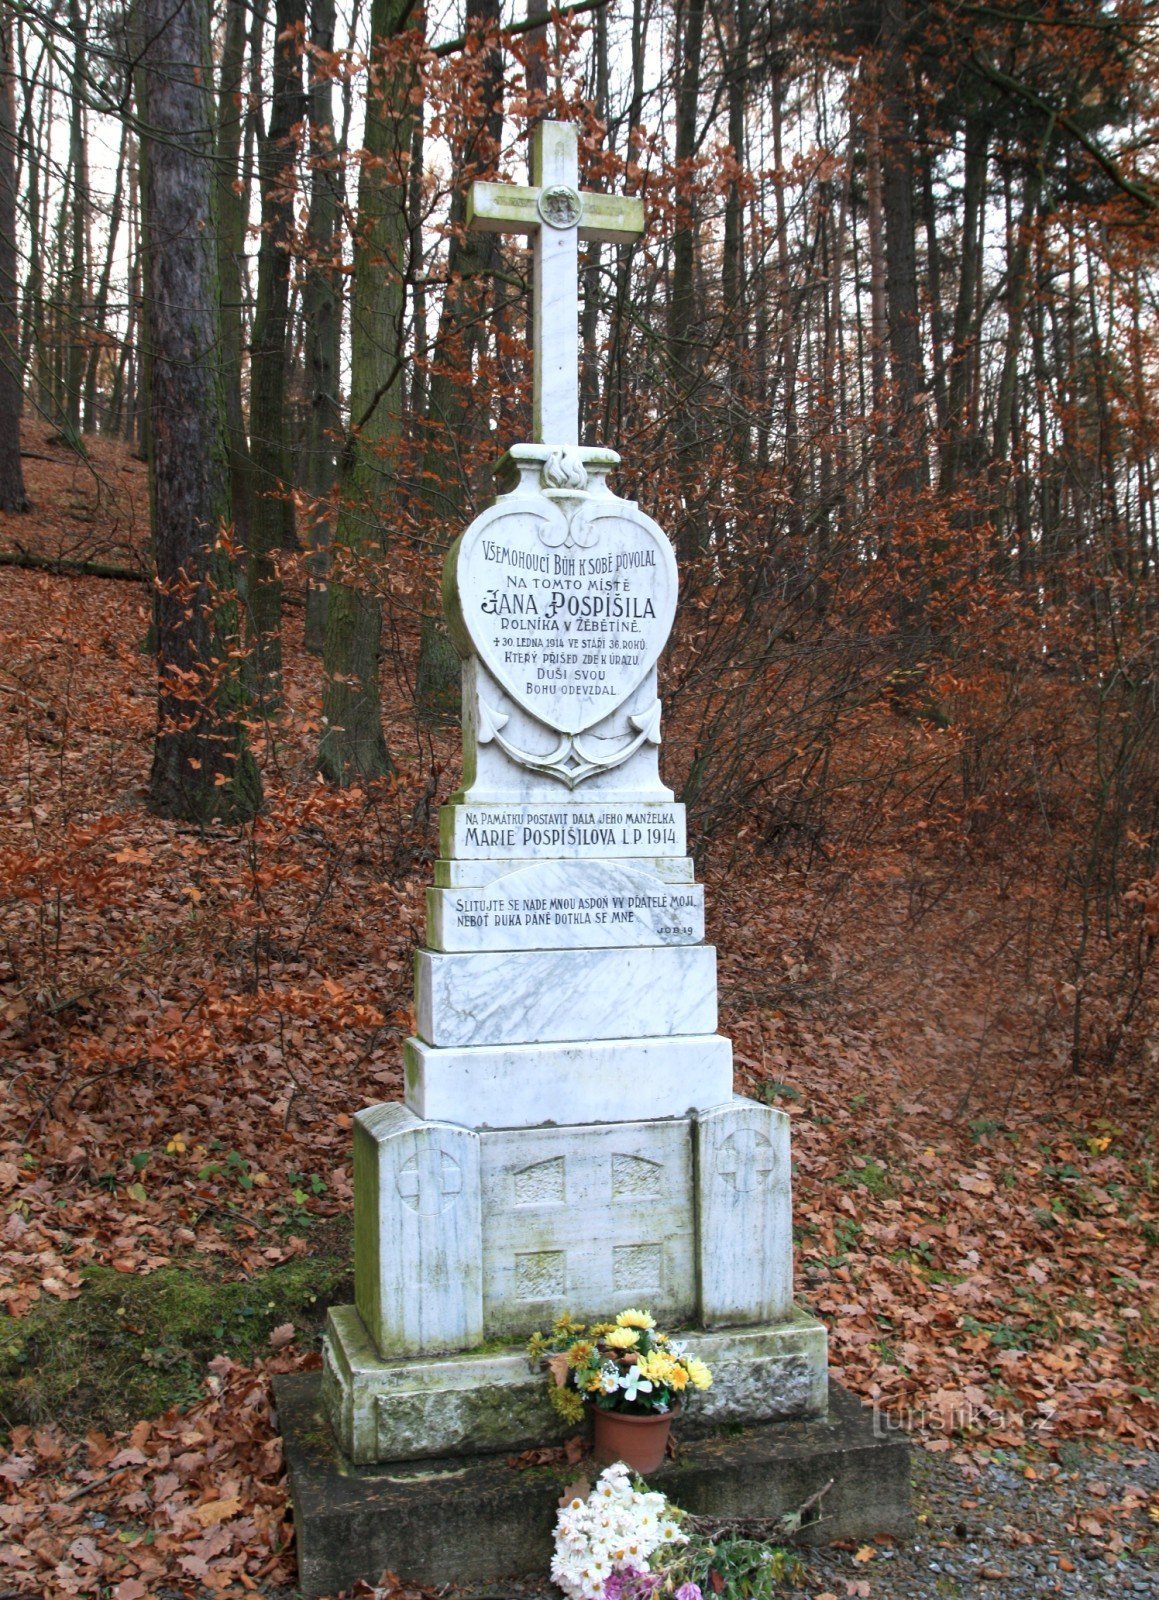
(633, 1178)
(568, 830)
(638, 1268)
(541, 1275)
(745, 1161)
(541, 1184)
(429, 1182)
(567, 605)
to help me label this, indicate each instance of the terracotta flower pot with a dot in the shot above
(640, 1441)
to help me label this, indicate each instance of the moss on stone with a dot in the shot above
(131, 1346)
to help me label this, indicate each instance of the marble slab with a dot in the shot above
(586, 1220)
(496, 1400)
(529, 996)
(523, 1085)
(743, 1193)
(566, 905)
(417, 1232)
(570, 828)
(478, 874)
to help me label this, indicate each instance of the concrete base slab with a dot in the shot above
(474, 1519)
(495, 1399)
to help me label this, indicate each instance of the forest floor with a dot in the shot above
(189, 1020)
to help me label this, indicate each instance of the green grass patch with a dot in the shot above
(871, 1175)
(130, 1347)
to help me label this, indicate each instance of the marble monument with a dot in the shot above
(569, 1139)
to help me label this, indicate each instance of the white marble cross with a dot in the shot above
(557, 214)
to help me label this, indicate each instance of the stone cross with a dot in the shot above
(557, 214)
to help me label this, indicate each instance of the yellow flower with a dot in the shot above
(565, 1324)
(635, 1319)
(623, 1338)
(592, 1383)
(598, 1329)
(678, 1378)
(657, 1366)
(568, 1404)
(698, 1373)
(580, 1353)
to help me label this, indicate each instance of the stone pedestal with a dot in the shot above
(466, 1519)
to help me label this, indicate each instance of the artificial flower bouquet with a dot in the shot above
(625, 1542)
(626, 1366)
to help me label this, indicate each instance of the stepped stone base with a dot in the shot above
(474, 1519)
(493, 1399)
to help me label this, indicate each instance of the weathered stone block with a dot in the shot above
(417, 1235)
(744, 1214)
(566, 905)
(586, 1220)
(522, 1085)
(536, 996)
(496, 1399)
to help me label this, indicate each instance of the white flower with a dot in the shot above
(615, 1527)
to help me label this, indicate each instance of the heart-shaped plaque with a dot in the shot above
(567, 603)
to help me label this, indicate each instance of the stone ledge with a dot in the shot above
(534, 1085)
(489, 1400)
(475, 1519)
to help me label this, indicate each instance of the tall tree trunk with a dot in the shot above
(683, 343)
(74, 361)
(453, 413)
(12, 495)
(625, 253)
(909, 467)
(733, 260)
(789, 333)
(957, 450)
(933, 266)
(1017, 281)
(272, 512)
(352, 745)
(589, 322)
(101, 307)
(322, 313)
(232, 219)
(414, 271)
(875, 231)
(455, 418)
(202, 767)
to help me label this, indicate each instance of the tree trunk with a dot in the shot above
(733, 261)
(1017, 277)
(471, 260)
(455, 418)
(12, 495)
(352, 746)
(683, 344)
(322, 312)
(272, 511)
(909, 468)
(101, 308)
(232, 217)
(202, 767)
(957, 446)
(74, 360)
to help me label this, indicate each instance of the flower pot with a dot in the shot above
(639, 1441)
